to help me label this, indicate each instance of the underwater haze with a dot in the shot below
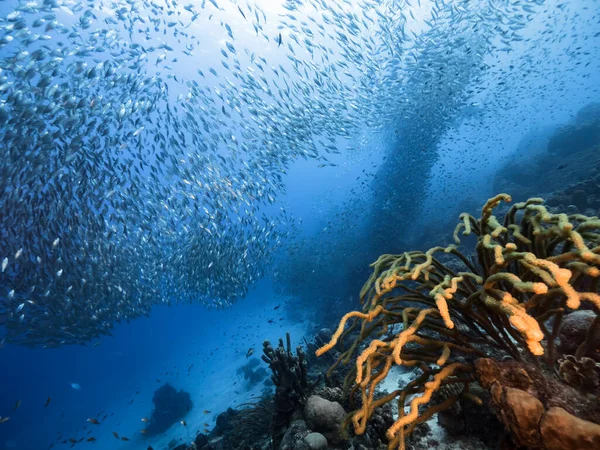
(182, 181)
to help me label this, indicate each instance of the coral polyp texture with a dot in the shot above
(442, 310)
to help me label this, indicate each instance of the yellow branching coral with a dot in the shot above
(442, 306)
(430, 388)
(520, 320)
(529, 268)
(368, 317)
(524, 286)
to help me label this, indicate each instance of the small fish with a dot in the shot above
(93, 421)
(277, 307)
(249, 352)
(206, 425)
(562, 166)
(206, 430)
(115, 434)
(4, 419)
(17, 404)
(91, 439)
(184, 423)
(124, 438)
(47, 402)
(144, 419)
(75, 386)
(206, 411)
(4, 264)
(143, 431)
(279, 40)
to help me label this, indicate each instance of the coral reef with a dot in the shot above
(244, 428)
(440, 315)
(583, 372)
(560, 165)
(170, 406)
(538, 410)
(468, 418)
(580, 197)
(574, 332)
(325, 417)
(290, 380)
(294, 418)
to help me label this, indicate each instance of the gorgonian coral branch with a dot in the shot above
(530, 267)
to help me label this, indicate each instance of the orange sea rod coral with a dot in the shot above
(439, 311)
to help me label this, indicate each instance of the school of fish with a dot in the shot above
(127, 181)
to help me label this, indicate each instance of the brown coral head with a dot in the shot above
(583, 373)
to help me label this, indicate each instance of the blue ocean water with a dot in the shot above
(195, 178)
(120, 375)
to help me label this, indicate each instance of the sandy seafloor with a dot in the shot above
(216, 393)
(210, 383)
(215, 343)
